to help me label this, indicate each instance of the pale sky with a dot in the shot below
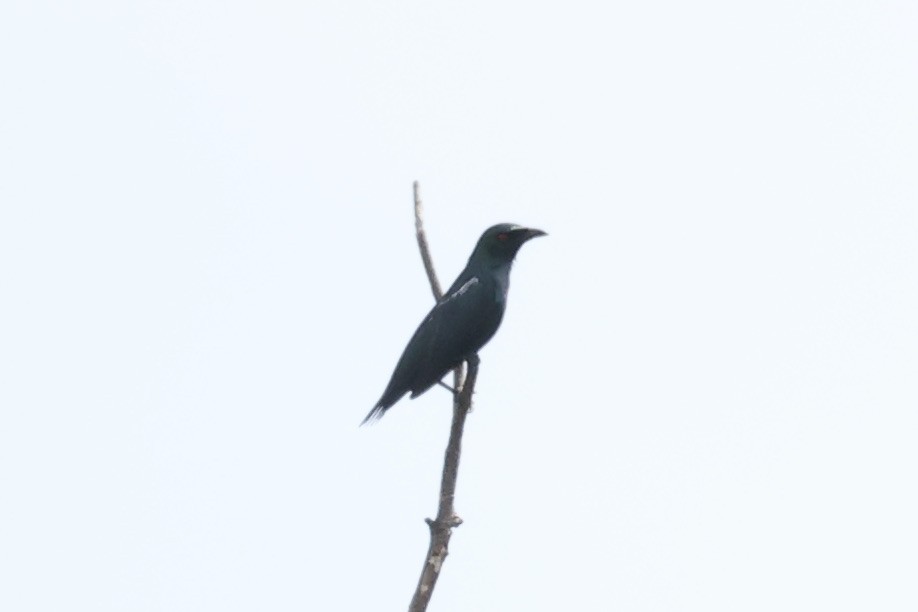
(704, 393)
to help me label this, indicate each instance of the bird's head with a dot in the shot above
(500, 243)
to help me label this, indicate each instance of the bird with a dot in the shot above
(462, 321)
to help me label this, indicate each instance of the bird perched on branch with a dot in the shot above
(462, 321)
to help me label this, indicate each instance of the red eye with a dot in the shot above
(502, 236)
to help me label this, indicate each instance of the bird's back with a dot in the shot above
(463, 322)
(458, 326)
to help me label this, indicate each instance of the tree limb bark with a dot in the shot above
(441, 528)
(422, 244)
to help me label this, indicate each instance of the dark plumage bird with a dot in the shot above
(462, 321)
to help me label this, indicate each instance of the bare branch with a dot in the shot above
(422, 244)
(441, 528)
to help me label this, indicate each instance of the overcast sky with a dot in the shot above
(704, 395)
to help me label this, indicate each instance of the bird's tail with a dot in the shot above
(375, 414)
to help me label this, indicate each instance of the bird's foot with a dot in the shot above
(447, 387)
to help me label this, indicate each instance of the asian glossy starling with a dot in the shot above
(462, 321)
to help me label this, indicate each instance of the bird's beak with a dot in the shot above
(533, 233)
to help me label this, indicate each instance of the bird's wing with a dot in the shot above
(463, 320)
(457, 326)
